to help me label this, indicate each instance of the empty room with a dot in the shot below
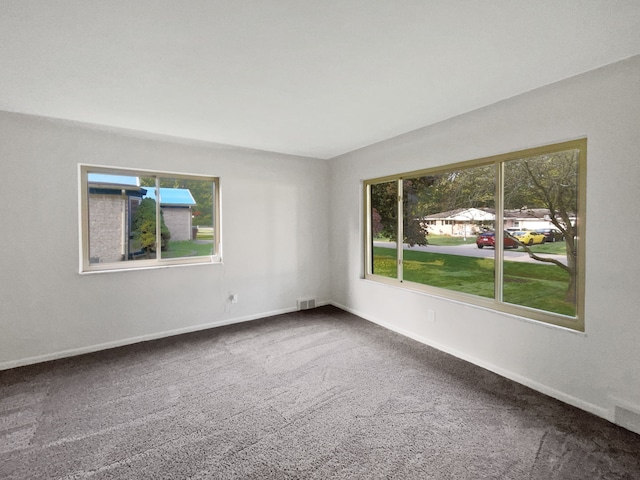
(338, 239)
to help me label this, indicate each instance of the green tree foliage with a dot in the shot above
(465, 188)
(384, 210)
(384, 221)
(414, 229)
(144, 227)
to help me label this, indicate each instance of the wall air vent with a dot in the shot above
(306, 303)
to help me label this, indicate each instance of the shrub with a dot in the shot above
(144, 227)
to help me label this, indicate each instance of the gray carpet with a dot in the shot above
(316, 394)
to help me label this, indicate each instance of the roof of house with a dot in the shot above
(527, 213)
(107, 179)
(464, 214)
(173, 197)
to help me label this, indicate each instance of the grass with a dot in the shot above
(187, 248)
(537, 286)
(558, 248)
(528, 284)
(448, 240)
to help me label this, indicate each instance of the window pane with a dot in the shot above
(114, 202)
(384, 229)
(186, 211)
(142, 219)
(451, 208)
(541, 209)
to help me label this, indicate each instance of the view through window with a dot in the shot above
(136, 219)
(505, 232)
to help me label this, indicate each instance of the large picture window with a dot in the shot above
(504, 232)
(138, 218)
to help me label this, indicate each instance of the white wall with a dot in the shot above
(274, 226)
(595, 370)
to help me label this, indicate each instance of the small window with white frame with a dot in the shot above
(140, 219)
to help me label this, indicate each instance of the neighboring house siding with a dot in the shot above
(441, 227)
(107, 217)
(528, 224)
(178, 221)
(459, 222)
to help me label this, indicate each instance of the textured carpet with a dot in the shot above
(316, 394)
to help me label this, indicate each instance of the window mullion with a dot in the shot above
(400, 239)
(158, 221)
(499, 232)
(368, 232)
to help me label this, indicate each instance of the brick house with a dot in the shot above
(113, 199)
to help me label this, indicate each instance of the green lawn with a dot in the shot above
(187, 248)
(558, 248)
(528, 284)
(448, 240)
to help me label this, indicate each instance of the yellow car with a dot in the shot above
(529, 237)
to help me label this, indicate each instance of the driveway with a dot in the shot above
(471, 250)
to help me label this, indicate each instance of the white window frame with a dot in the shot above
(87, 267)
(571, 322)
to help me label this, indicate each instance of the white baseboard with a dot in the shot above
(143, 338)
(605, 413)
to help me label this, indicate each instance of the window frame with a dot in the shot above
(576, 322)
(87, 267)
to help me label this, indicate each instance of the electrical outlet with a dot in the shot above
(233, 297)
(431, 316)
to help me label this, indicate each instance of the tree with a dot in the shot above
(384, 212)
(143, 226)
(466, 188)
(415, 231)
(549, 181)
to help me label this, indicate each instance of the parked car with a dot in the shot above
(551, 234)
(529, 237)
(487, 239)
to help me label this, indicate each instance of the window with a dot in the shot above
(504, 232)
(140, 219)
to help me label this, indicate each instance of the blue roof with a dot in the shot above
(172, 196)
(107, 178)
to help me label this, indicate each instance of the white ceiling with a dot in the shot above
(315, 78)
